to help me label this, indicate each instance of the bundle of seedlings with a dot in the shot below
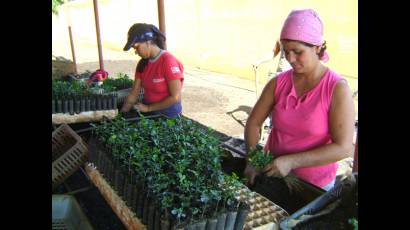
(174, 166)
(260, 159)
(283, 191)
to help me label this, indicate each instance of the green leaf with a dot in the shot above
(259, 159)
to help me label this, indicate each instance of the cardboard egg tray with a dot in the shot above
(263, 214)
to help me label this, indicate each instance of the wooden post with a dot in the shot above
(97, 27)
(72, 49)
(161, 18)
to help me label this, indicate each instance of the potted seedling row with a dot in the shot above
(75, 97)
(158, 167)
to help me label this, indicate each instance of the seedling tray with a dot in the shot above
(263, 213)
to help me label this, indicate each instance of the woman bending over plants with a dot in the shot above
(311, 107)
(158, 72)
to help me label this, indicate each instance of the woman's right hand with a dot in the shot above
(132, 96)
(250, 173)
(126, 107)
(123, 110)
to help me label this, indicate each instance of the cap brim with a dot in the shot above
(128, 46)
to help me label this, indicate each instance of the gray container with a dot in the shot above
(319, 203)
(67, 214)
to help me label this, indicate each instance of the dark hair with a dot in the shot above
(158, 39)
(322, 48)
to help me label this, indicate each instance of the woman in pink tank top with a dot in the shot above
(311, 107)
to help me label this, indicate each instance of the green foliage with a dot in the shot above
(231, 186)
(121, 82)
(55, 4)
(63, 89)
(259, 159)
(76, 89)
(354, 223)
(178, 162)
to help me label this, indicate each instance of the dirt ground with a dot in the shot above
(220, 101)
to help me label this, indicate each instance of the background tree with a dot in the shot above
(55, 4)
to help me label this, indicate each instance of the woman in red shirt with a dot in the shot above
(158, 72)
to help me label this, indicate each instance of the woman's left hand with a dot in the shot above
(141, 107)
(280, 167)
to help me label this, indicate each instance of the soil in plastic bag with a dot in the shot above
(337, 214)
(276, 190)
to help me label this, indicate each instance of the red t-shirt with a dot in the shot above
(156, 76)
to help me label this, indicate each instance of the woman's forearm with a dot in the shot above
(259, 114)
(167, 102)
(252, 135)
(131, 99)
(319, 156)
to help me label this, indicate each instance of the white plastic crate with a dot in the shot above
(67, 214)
(69, 152)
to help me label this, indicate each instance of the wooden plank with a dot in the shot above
(127, 216)
(64, 118)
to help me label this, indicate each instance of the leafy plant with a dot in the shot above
(259, 159)
(231, 186)
(65, 90)
(170, 157)
(55, 4)
(121, 82)
(354, 223)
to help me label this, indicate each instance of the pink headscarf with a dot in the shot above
(305, 26)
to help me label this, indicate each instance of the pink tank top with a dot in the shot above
(300, 124)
